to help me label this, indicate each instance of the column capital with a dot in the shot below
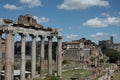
(8, 31)
(41, 36)
(59, 37)
(49, 37)
(32, 35)
(22, 35)
(13, 34)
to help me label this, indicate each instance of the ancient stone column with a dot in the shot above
(8, 57)
(96, 62)
(49, 55)
(33, 56)
(12, 54)
(42, 52)
(12, 48)
(22, 71)
(0, 54)
(59, 56)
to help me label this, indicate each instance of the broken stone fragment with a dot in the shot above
(29, 21)
(38, 26)
(49, 29)
(8, 21)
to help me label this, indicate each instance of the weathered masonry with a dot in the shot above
(27, 25)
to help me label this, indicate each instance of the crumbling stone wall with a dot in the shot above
(75, 54)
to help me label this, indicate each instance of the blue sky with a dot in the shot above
(94, 19)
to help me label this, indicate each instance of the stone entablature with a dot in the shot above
(27, 25)
(28, 31)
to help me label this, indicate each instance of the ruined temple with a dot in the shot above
(27, 25)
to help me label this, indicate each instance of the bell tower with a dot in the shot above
(111, 39)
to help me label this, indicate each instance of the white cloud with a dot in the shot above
(31, 3)
(11, 7)
(72, 37)
(114, 35)
(97, 37)
(82, 4)
(103, 36)
(99, 34)
(102, 22)
(42, 19)
(116, 13)
(106, 14)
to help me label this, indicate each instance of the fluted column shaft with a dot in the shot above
(22, 71)
(0, 54)
(8, 57)
(49, 55)
(59, 56)
(42, 52)
(33, 56)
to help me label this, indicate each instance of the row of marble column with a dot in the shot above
(9, 56)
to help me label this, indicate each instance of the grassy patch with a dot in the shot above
(116, 76)
(49, 78)
(37, 78)
(78, 73)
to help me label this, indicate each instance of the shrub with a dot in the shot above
(64, 62)
(52, 78)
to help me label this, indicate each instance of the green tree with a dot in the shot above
(28, 65)
(112, 54)
(92, 59)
